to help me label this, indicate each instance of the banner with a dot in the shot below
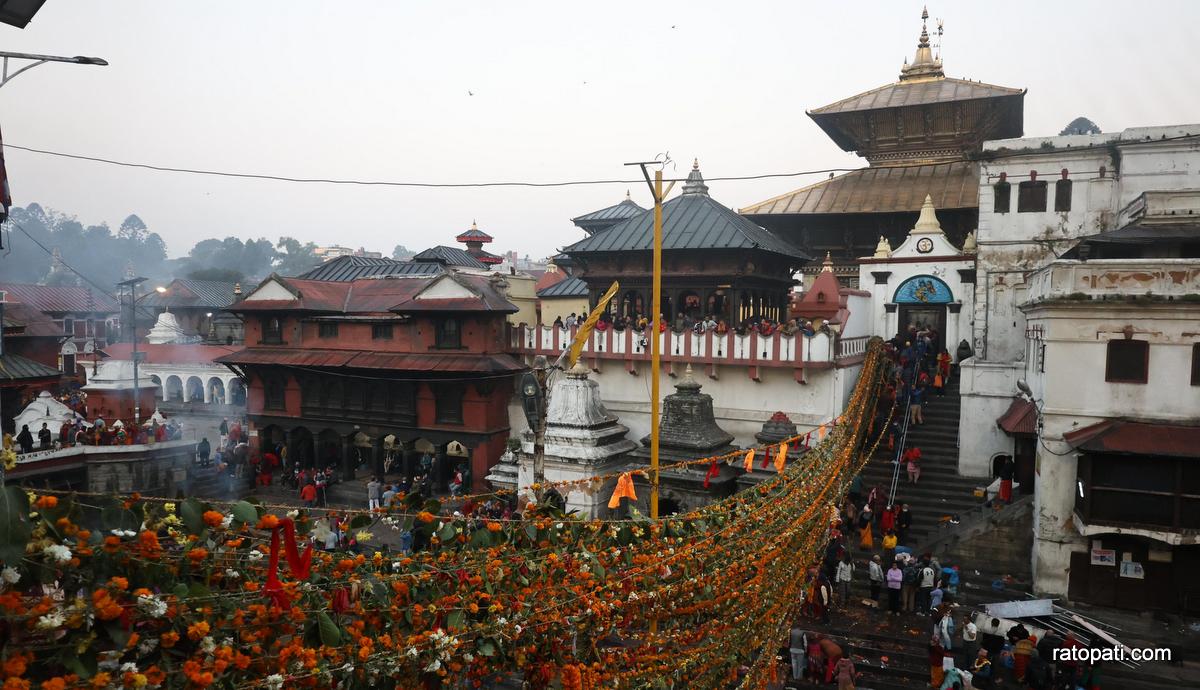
(585, 330)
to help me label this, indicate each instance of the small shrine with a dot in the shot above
(688, 430)
(45, 409)
(774, 430)
(167, 330)
(583, 439)
(475, 238)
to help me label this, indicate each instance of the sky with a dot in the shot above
(561, 91)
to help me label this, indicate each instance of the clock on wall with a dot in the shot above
(924, 245)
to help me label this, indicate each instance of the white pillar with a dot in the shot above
(207, 391)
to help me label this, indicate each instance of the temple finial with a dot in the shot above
(827, 265)
(473, 225)
(924, 64)
(695, 164)
(627, 197)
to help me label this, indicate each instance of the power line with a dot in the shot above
(389, 183)
(61, 260)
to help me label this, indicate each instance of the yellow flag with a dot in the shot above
(821, 432)
(749, 460)
(585, 330)
(781, 457)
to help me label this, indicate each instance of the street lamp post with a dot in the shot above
(37, 59)
(132, 284)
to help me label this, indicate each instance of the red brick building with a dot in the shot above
(401, 365)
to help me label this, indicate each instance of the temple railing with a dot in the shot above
(798, 352)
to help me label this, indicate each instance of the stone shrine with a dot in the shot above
(774, 430)
(688, 430)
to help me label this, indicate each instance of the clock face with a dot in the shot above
(924, 245)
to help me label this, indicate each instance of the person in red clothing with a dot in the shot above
(887, 519)
(309, 494)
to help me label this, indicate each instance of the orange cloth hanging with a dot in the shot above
(781, 457)
(821, 432)
(750, 460)
(624, 489)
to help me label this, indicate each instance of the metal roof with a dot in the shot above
(473, 235)
(570, 287)
(185, 292)
(345, 268)
(61, 298)
(881, 189)
(449, 256)
(610, 215)
(1019, 418)
(369, 359)
(923, 92)
(381, 296)
(169, 353)
(1136, 438)
(14, 367)
(693, 220)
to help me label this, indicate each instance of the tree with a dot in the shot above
(402, 253)
(296, 257)
(132, 228)
(1080, 125)
(225, 275)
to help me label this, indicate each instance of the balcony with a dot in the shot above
(1150, 279)
(798, 352)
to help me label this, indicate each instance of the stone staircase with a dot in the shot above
(941, 492)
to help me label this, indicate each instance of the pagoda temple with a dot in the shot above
(920, 136)
(714, 261)
(475, 238)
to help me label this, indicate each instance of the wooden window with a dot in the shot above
(327, 329)
(272, 330)
(449, 334)
(1062, 195)
(1196, 364)
(1128, 361)
(273, 395)
(69, 326)
(1002, 193)
(68, 365)
(1031, 196)
(381, 331)
(448, 399)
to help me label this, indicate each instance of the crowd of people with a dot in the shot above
(96, 433)
(698, 324)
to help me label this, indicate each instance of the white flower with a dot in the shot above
(227, 521)
(51, 621)
(152, 605)
(293, 514)
(433, 667)
(412, 651)
(10, 576)
(57, 553)
(468, 657)
(129, 533)
(274, 681)
(129, 667)
(208, 645)
(115, 532)
(232, 574)
(146, 646)
(255, 555)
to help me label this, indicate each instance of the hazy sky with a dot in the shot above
(563, 90)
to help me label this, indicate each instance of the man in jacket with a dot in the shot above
(875, 575)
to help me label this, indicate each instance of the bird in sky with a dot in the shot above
(470, 93)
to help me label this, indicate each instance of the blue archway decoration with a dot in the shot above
(923, 290)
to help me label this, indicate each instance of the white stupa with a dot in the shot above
(45, 409)
(168, 330)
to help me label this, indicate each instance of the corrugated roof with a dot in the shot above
(14, 367)
(1136, 438)
(30, 322)
(345, 268)
(904, 93)
(61, 298)
(693, 220)
(625, 209)
(367, 359)
(169, 353)
(548, 278)
(381, 296)
(449, 256)
(473, 235)
(185, 292)
(1019, 418)
(571, 287)
(881, 190)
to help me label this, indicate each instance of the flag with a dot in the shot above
(821, 432)
(781, 457)
(585, 330)
(624, 489)
(713, 473)
(750, 460)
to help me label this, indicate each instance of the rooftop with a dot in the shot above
(344, 268)
(61, 298)
(474, 234)
(608, 216)
(185, 292)
(881, 190)
(570, 287)
(379, 296)
(449, 256)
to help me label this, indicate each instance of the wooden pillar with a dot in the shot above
(349, 458)
(441, 472)
(377, 454)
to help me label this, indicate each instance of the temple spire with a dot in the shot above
(925, 64)
(695, 181)
(827, 265)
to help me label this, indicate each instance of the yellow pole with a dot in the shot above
(656, 301)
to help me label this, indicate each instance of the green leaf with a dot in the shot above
(487, 647)
(198, 590)
(82, 665)
(531, 531)
(14, 527)
(192, 514)
(244, 512)
(181, 590)
(447, 533)
(360, 521)
(455, 620)
(117, 633)
(481, 539)
(331, 635)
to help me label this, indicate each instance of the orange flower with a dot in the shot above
(149, 542)
(268, 521)
(493, 526)
(425, 516)
(197, 554)
(169, 639)
(120, 583)
(15, 665)
(212, 518)
(46, 502)
(56, 683)
(101, 680)
(112, 543)
(196, 631)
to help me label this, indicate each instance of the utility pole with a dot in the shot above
(37, 59)
(539, 433)
(656, 189)
(132, 284)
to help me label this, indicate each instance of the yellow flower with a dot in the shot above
(364, 535)
(169, 507)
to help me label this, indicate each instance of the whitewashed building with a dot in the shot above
(1087, 356)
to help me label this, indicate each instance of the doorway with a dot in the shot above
(921, 316)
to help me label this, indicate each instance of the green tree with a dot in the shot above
(296, 257)
(402, 253)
